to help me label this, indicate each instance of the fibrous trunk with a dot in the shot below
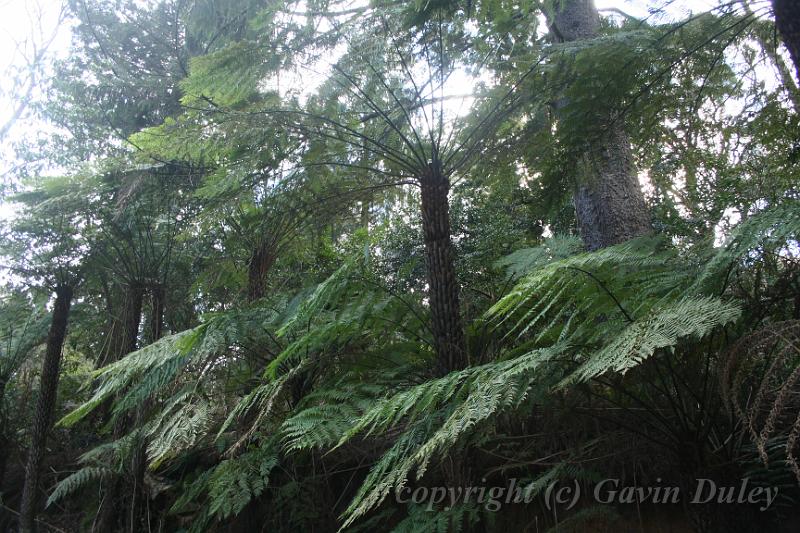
(136, 515)
(43, 418)
(787, 20)
(108, 514)
(448, 333)
(261, 261)
(609, 204)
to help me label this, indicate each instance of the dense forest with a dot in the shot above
(438, 265)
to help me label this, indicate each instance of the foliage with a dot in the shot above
(240, 208)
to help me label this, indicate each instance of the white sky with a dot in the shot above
(26, 24)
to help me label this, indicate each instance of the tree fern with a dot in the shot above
(451, 520)
(776, 227)
(77, 481)
(236, 482)
(178, 429)
(686, 318)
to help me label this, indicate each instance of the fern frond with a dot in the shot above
(452, 520)
(78, 480)
(776, 227)
(525, 260)
(687, 318)
(235, 482)
(170, 435)
(329, 415)
(442, 412)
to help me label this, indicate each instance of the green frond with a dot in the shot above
(590, 295)
(330, 414)
(326, 294)
(526, 260)
(235, 482)
(114, 453)
(77, 481)
(776, 227)
(440, 413)
(452, 520)
(687, 318)
(170, 435)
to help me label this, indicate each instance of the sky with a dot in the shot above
(26, 24)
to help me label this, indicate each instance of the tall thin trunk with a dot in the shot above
(609, 203)
(787, 20)
(157, 296)
(764, 36)
(108, 514)
(443, 290)
(45, 406)
(5, 442)
(136, 512)
(261, 261)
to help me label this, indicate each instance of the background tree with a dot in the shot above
(339, 252)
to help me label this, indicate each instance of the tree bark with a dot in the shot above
(261, 261)
(443, 290)
(4, 440)
(45, 406)
(137, 514)
(787, 20)
(108, 513)
(609, 204)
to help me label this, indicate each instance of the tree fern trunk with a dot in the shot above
(45, 405)
(4, 441)
(108, 515)
(609, 204)
(448, 333)
(787, 20)
(137, 514)
(260, 262)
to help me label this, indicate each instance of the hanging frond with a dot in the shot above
(171, 435)
(440, 413)
(776, 228)
(590, 296)
(691, 318)
(78, 480)
(236, 482)
(526, 260)
(328, 414)
(451, 520)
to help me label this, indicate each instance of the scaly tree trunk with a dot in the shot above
(261, 261)
(609, 203)
(108, 514)
(136, 514)
(443, 290)
(5, 443)
(45, 406)
(787, 20)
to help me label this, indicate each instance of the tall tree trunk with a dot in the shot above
(5, 442)
(110, 505)
(787, 20)
(45, 406)
(137, 514)
(609, 204)
(157, 297)
(448, 332)
(261, 261)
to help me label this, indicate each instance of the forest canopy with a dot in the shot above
(377, 265)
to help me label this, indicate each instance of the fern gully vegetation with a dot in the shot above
(285, 266)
